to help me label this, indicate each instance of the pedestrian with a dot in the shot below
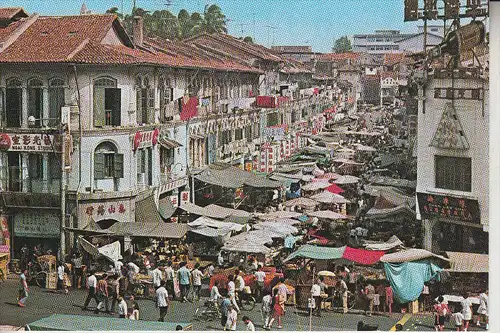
(61, 286)
(389, 298)
(316, 295)
(157, 276)
(249, 324)
(344, 290)
(215, 295)
(482, 311)
(458, 320)
(370, 295)
(197, 275)
(118, 268)
(162, 300)
(115, 292)
(135, 312)
(102, 294)
(232, 317)
(169, 278)
(267, 308)
(91, 286)
(122, 308)
(224, 307)
(260, 276)
(211, 270)
(278, 308)
(184, 277)
(466, 311)
(23, 289)
(77, 263)
(239, 284)
(220, 259)
(282, 288)
(441, 311)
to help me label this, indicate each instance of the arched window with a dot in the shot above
(107, 162)
(166, 96)
(145, 99)
(35, 99)
(13, 102)
(56, 100)
(107, 102)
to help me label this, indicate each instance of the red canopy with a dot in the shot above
(334, 188)
(362, 256)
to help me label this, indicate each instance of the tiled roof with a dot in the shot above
(294, 67)
(7, 13)
(395, 58)
(337, 56)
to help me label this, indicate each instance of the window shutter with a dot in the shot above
(99, 107)
(98, 166)
(138, 107)
(116, 106)
(118, 166)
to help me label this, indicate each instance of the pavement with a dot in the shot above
(42, 303)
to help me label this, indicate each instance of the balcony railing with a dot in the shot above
(16, 179)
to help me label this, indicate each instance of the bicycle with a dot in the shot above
(245, 300)
(37, 271)
(210, 311)
(336, 301)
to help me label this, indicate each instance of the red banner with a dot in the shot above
(189, 108)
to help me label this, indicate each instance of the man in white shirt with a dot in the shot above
(122, 308)
(239, 281)
(162, 301)
(482, 311)
(60, 278)
(157, 277)
(316, 294)
(260, 276)
(215, 295)
(220, 260)
(132, 271)
(118, 268)
(197, 275)
(466, 311)
(231, 292)
(232, 317)
(211, 270)
(169, 278)
(91, 286)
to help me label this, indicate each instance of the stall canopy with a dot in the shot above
(247, 247)
(391, 243)
(334, 188)
(165, 208)
(150, 229)
(279, 215)
(409, 255)
(147, 212)
(281, 228)
(111, 251)
(204, 221)
(228, 211)
(211, 232)
(395, 182)
(468, 262)
(284, 221)
(228, 176)
(329, 198)
(203, 211)
(362, 256)
(346, 179)
(317, 252)
(302, 202)
(329, 175)
(361, 147)
(168, 143)
(315, 186)
(327, 214)
(255, 236)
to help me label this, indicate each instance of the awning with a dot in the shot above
(392, 243)
(329, 198)
(150, 230)
(204, 221)
(228, 211)
(88, 247)
(255, 236)
(91, 228)
(301, 202)
(409, 255)
(111, 251)
(347, 179)
(203, 211)
(168, 143)
(279, 215)
(246, 247)
(327, 214)
(211, 232)
(317, 252)
(468, 262)
(315, 186)
(362, 256)
(196, 136)
(165, 208)
(334, 188)
(147, 212)
(261, 182)
(281, 228)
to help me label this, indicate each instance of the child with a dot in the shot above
(441, 311)
(267, 308)
(278, 308)
(458, 320)
(248, 322)
(135, 312)
(232, 317)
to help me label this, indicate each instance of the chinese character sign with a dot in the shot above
(30, 142)
(436, 206)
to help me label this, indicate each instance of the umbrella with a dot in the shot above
(327, 214)
(334, 189)
(314, 186)
(347, 179)
(326, 273)
(301, 202)
(328, 197)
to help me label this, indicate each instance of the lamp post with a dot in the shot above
(62, 133)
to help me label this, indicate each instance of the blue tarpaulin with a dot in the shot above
(407, 279)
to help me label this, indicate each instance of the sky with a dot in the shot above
(316, 23)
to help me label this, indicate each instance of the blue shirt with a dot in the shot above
(224, 305)
(183, 275)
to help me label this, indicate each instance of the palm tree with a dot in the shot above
(214, 21)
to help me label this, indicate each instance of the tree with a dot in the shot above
(114, 10)
(214, 21)
(248, 40)
(343, 44)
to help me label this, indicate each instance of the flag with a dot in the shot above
(189, 107)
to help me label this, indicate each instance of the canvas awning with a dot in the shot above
(147, 212)
(91, 228)
(334, 188)
(203, 211)
(391, 243)
(301, 202)
(327, 214)
(315, 186)
(88, 247)
(468, 262)
(279, 215)
(409, 255)
(204, 221)
(150, 230)
(246, 247)
(284, 221)
(361, 147)
(211, 232)
(317, 252)
(168, 143)
(328, 198)
(228, 176)
(362, 256)
(165, 208)
(228, 211)
(280, 228)
(254, 236)
(347, 179)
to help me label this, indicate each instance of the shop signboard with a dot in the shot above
(174, 199)
(34, 142)
(118, 210)
(444, 206)
(184, 197)
(37, 225)
(144, 139)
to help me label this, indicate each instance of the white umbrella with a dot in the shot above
(347, 179)
(328, 197)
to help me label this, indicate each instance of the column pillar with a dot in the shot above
(24, 111)
(428, 226)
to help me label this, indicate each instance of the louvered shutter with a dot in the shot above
(138, 108)
(99, 107)
(118, 166)
(151, 106)
(99, 166)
